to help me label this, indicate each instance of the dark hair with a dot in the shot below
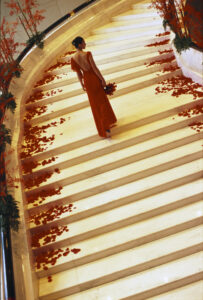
(77, 41)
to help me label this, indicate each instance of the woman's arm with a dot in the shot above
(96, 70)
(80, 77)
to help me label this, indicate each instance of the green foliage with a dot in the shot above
(11, 105)
(8, 100)
(9, 211)
(182, 43)
(18, 71)
(5, 137)
(165, 23)
(36, 39)
(1, 114)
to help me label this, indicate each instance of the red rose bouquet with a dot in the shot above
(110, 88)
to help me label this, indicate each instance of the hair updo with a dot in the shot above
(77, 41)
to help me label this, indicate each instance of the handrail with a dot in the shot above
(54, 25)
(7, 288)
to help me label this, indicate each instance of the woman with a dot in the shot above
(93, 83)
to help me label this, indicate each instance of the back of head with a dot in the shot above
(77, 41)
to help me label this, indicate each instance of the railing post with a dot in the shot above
(7, 284)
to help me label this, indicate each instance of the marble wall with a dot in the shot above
(190, 61)
(54, 9)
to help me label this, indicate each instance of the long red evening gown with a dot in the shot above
(102, 111)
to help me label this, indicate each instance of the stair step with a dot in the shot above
(144, 209)
(139, 187)
(121, 209)
(127, 53)
(123, 26)
(141, 33)
(147, 148)
(136, 230)
(128, 31)
(111, 57)
(103, 177)
(143, 5)
(130, 85)
(83, 227)
(187, 288)
(112, 70)
(113, 67)
(181, 239)
(122, 45)
(127, 125)
(119, 161)
(132, 15)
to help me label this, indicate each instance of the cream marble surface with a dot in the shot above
(124, 118)
(108, 221)
(123, 25)
(123, 235)
(112, 69)
(115, 72)
(131, 14)
(90, 170)
(182, 194)
(106, 200)
(121, 39)
(115, 45)
(137, 50)
(124, 53)
(152, 147)
(54, 109)
(135, 284)
(142, 186)
(126, 34)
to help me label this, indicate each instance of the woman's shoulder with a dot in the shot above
(74, 55)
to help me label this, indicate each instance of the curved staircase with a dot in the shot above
(135, 229)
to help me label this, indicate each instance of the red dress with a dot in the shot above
(102, 111)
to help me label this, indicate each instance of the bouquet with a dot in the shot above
(110, 88)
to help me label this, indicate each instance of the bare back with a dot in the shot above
(82, 60)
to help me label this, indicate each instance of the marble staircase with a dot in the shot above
(137, 196)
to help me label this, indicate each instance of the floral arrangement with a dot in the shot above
(110, 88)
(185, 20)
(178, 85)
(28, 19)
(9, 212)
